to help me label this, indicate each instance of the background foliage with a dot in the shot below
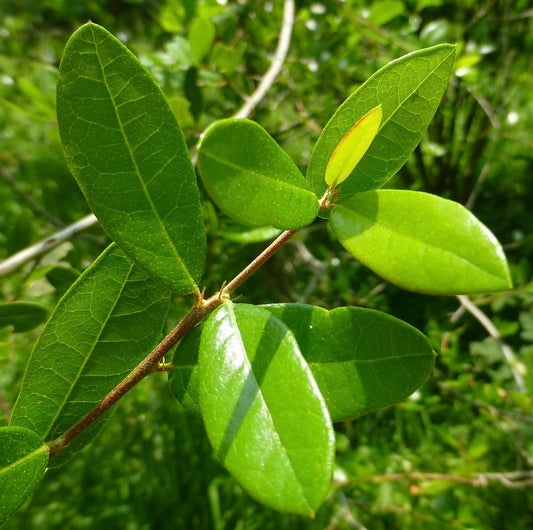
(152, 466)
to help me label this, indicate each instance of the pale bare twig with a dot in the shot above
(34, 251)
(344, 514)
(508, 479)
(514, 364)
(38, 249)
(272, 73)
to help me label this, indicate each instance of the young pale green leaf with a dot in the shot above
(184, 377)
(409, 90)
(421, 242)
(252, 179)
(23, 459)
(128, 154)
(106, 323)
(201, 37)
(361, 359)
(263, 412)
(352, 147)
(22, 315)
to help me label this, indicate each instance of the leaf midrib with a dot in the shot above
(416, 89)
(61, 406)
(137, 170)
(415, 240)
(268, 178)
(20, 461)
(233, 320)
(372, 361)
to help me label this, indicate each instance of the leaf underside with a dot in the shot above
(101, 329)
(23, 459)
(184, 378)
(125, 148)
(409, 91)
(352, 147)
(421, 242)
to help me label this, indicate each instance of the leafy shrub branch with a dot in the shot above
(268, 380)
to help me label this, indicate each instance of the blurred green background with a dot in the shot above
(152, 467)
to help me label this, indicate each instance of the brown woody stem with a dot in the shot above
(198, 312)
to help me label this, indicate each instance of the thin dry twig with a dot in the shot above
(516, 367)
(272, 73)
(508, 479)
(42, 247)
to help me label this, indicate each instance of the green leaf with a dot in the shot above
(201, 37)
(181, 107)
(22, 315)
(62, 277)
(128, 154)
(384, 11)
(361, 359)
(263, 412)
(252, 179)
(101, 329)
(352, 147)
(6, 353)
(193, 92)
(23, 459)
(409, 90)
(421, 242)
(225, 59)
(184, 377)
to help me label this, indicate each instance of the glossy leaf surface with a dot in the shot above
(352, 147)
(128, 154)
(22, 315)
(184, 377)
(263, 412)
(421, 242)
(23, 459)
(252, 179)
(101, 329)
(409, 91)
(361, 359)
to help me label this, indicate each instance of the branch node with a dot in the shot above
(222, 293)
(199, 298)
